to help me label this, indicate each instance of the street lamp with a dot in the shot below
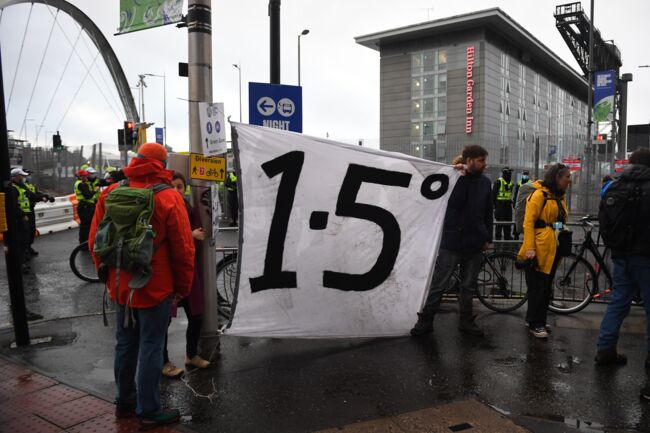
(164, 103)
(238, 66)
(303, 33)
(141, 85)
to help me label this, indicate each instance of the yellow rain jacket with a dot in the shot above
(542, 240)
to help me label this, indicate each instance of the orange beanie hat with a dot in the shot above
(153, 151)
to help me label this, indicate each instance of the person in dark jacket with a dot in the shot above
(466, 233)
(631, 270)
(193, 304)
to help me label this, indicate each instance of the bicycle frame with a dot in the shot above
(601, 266)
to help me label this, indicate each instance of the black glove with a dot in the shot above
(51, 199)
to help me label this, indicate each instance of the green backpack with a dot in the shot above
(124, 238)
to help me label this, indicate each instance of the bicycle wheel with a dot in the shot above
(574, 284)
(82, 264)
(226, 284)
(501, 286)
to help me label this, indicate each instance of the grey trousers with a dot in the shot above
(470, 265)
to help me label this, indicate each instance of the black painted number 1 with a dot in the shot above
(290, 165)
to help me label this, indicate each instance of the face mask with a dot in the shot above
(524, 179)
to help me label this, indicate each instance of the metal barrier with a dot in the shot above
(55, 217)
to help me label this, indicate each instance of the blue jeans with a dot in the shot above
(141, 342)
(446, 263)
(631, 274)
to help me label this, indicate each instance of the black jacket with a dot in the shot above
(641, 246)
(468, 222)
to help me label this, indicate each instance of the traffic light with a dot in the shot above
(128, 134)
(120, 139)
(56, 142)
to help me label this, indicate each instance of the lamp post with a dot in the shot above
(303, 33)
(141, 84)
(164, 103)
(238, 66)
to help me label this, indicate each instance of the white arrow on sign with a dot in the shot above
(266, 106)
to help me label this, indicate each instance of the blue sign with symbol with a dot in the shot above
(275, 106)
(208, 127)
(159, 136)
(217, 126)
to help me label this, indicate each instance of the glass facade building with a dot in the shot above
(478, 78)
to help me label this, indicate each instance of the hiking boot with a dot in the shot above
(423, 326)
(124, 410)
(165, 417)
(197, 362)
(539, 332)
(171, 371)
(32, 251)
(470, 327)
(609, 356)
(645, 392)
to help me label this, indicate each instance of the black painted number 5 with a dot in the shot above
(347, 206)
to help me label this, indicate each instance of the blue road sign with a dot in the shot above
(159, 136)
(275, 105)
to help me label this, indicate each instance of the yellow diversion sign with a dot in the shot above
(207, 168)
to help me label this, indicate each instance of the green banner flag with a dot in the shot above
(144, 14)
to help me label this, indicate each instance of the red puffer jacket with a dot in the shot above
(173, 260)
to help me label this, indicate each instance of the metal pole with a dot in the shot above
(622, 148)
(590, 102)
(99, 164)
(15, 279)
(165, 107)
(303, 33)
(199, 28)
(238, 66)
(274, 14)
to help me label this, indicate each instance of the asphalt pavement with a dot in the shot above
(507, 381)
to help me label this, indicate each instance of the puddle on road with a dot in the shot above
(569, 364)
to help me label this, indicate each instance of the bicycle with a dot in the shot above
(501, 286)
(226, 284)
(82, 265)
(576, 281)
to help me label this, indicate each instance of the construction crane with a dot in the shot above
(574, 26)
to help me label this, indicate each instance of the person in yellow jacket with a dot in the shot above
(546, 214)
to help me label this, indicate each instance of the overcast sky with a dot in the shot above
(340, 78)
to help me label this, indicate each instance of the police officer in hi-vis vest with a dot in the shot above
(34, 196)
(233, 201)
(502, 197)
(21, 212)
(87, 195)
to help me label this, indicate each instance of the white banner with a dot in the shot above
(338, 240)
(213, 132)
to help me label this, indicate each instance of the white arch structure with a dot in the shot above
(105, 49)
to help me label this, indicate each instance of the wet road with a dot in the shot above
(281, 385)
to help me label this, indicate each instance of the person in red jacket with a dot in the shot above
(140, 345)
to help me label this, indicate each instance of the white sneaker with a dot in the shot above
(539, 332)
